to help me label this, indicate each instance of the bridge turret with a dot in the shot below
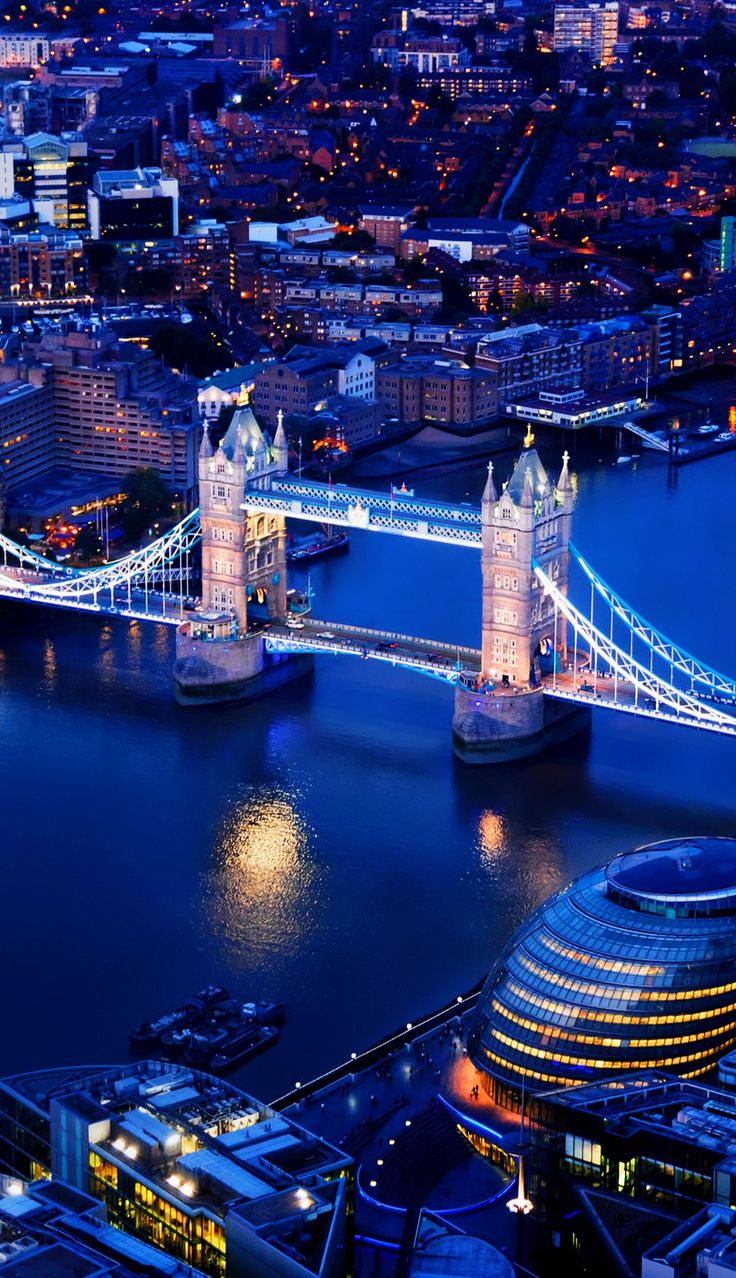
(205, 448)
(490, 496)
(243, 573)
(243, 556)
(280, 451)
(564, 483)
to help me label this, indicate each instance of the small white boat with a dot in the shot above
(624, 460)
(708, 428)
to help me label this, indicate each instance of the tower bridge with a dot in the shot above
(543, 662)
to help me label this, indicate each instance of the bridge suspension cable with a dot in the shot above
(659, 645)
(637, 689)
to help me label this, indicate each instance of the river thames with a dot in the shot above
(322, 846)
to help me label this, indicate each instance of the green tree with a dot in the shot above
(147, 499)
(355, 240)
(87, 543)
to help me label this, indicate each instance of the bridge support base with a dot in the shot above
(489, 728)
(213, 672)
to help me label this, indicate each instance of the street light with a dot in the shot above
(520, 1204)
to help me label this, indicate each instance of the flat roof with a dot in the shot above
(677, 868)
(58, 489)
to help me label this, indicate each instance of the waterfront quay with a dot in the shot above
(407, 1110)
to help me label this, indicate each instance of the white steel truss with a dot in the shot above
(159, 569)
(395, 513)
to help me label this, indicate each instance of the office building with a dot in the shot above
(133, 204)
(51, 173)
(614, 1168)
(26, 415)
(590, 29)
(50, 1230)
(187, 1164)
(82, 402)
(26, 50)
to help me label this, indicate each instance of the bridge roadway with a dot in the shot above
(445, 661)
(459, 665)
(394, 512)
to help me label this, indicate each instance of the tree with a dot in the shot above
(87, 542)
(147, 499)
(355, 240)
(190, 346)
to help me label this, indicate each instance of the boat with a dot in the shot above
(247, 1042)
(204, 1043)
(205, 1039)
(708, 428)
(195, 1008)
(309, 548)
(725, 437)
(624, 460)
(265, 1012)
(175, 1040)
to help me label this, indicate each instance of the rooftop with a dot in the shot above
(694, 868)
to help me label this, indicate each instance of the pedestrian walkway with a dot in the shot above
(399, 1118)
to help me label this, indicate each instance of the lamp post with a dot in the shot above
(520, 1205)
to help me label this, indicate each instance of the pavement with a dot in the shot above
(367, 1111)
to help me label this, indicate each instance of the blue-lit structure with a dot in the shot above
(631, 967)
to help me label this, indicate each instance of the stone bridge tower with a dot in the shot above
(243, 555)
(243, 563)
(530, 520)
(507, 715)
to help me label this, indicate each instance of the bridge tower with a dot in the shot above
(243, 555)
(243, 570)
(506, 717)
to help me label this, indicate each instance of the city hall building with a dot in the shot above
(631, 967)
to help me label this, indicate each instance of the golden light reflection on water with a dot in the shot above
(49, 665)
(527, 864)
(263, 886)
(492, 845)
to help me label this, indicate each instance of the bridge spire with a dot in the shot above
(564, 483)
(205, 448)
(280, 446)
(527, 492)
(490, 496)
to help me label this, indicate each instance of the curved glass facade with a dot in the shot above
(633, 966)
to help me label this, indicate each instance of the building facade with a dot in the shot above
(590, 29)
(187, 1164)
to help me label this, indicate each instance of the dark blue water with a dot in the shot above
(323, 846)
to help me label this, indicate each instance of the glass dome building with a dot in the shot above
(633, 966)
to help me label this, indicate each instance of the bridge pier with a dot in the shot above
(214, 665)
(491, 727)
